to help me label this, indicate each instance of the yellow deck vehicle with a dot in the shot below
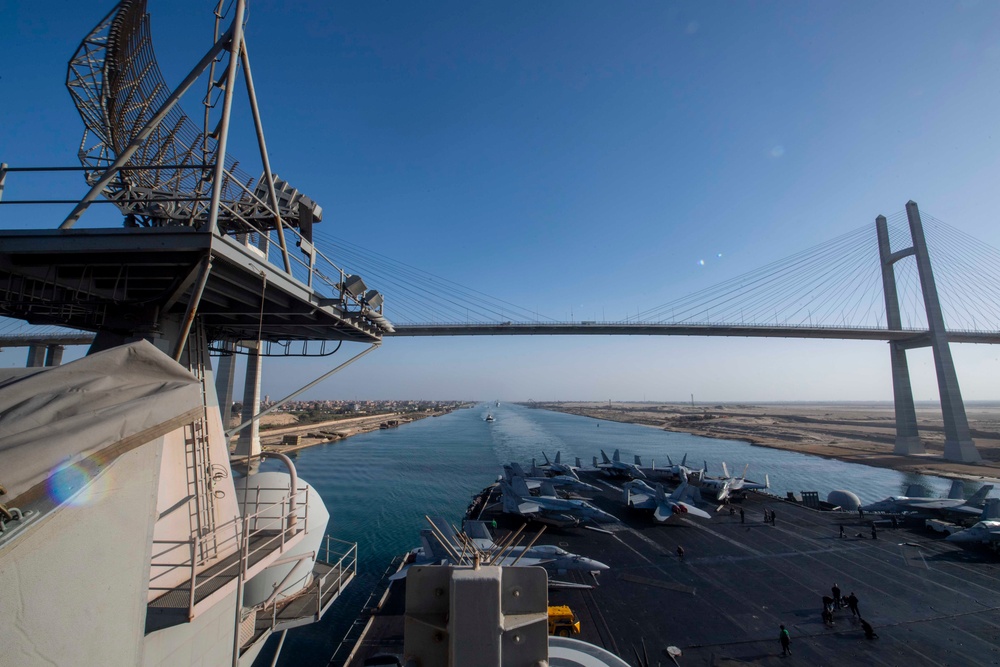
(563, 622)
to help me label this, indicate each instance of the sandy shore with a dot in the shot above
(323, 432)
(856, 432)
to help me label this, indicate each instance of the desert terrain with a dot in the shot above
(856, 432)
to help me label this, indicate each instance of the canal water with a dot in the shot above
(378, 486)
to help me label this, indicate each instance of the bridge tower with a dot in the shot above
(958, 444)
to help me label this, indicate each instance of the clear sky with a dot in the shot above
(580, 159)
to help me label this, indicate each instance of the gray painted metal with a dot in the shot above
(906, 337)
(907, 434)
(249, 440)
(958, 445)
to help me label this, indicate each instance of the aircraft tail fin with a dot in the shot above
(518, 470)
(725, 470)
(767, 481)
(546, 489)
(957, 491)
(991, 510)
(638, 460)
(558, 457)
(510, 499)
(661, 495)
(704, 468)
(520, 487)
(916, 491)
(579, 464)
(432, 547)
(477, 530)
(616, 457)
(604, 457)
(446, 530)
(979, 497)
(547, 462)
(685, 459)
(595, 461)
(669, 462)
(745, 468)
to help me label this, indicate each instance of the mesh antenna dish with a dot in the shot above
(117, 87)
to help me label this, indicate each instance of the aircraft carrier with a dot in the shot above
(929, 601)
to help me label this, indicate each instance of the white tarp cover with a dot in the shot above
(88, 412)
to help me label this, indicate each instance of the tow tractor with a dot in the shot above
(563, 622)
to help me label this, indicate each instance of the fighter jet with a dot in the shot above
(615, 467)
(455, 549)
(549, 555)
(953, 504)
(719, 487)
(983, 532)
(742, 483)
(639, 495)
(557, 467)
(547, 509)
(535, 483)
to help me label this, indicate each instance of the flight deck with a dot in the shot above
(930, 601)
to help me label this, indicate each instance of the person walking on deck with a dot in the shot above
(786, 641)
(852, 604)
(842, 533)
(743, 518)
(772, 517)
(835, 589)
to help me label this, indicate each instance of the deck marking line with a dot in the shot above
(659, 583)
(723, 537)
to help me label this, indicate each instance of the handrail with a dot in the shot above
(325, 274)
(255, 523)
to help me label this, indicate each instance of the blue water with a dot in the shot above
(378, 486)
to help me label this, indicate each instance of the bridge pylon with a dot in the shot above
(958, 445)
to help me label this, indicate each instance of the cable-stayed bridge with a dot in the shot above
(211, 258)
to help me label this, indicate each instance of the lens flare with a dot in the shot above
(68, 480)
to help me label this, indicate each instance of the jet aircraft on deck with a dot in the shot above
(639, 495)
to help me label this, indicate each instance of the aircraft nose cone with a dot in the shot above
(959, 537)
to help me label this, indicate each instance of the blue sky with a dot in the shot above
(580, 158)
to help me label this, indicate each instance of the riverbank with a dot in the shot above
(853, 432)
(319, 433)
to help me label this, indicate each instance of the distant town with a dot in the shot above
(311, 412)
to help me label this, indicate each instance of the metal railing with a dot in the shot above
(343, 563)
(310, 266)
(258, 533)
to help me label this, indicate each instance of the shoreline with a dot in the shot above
(335, 430)
(855, 433)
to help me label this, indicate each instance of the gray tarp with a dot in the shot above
(88, 412)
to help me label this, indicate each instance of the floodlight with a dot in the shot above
(354, 286)
(373, 299)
